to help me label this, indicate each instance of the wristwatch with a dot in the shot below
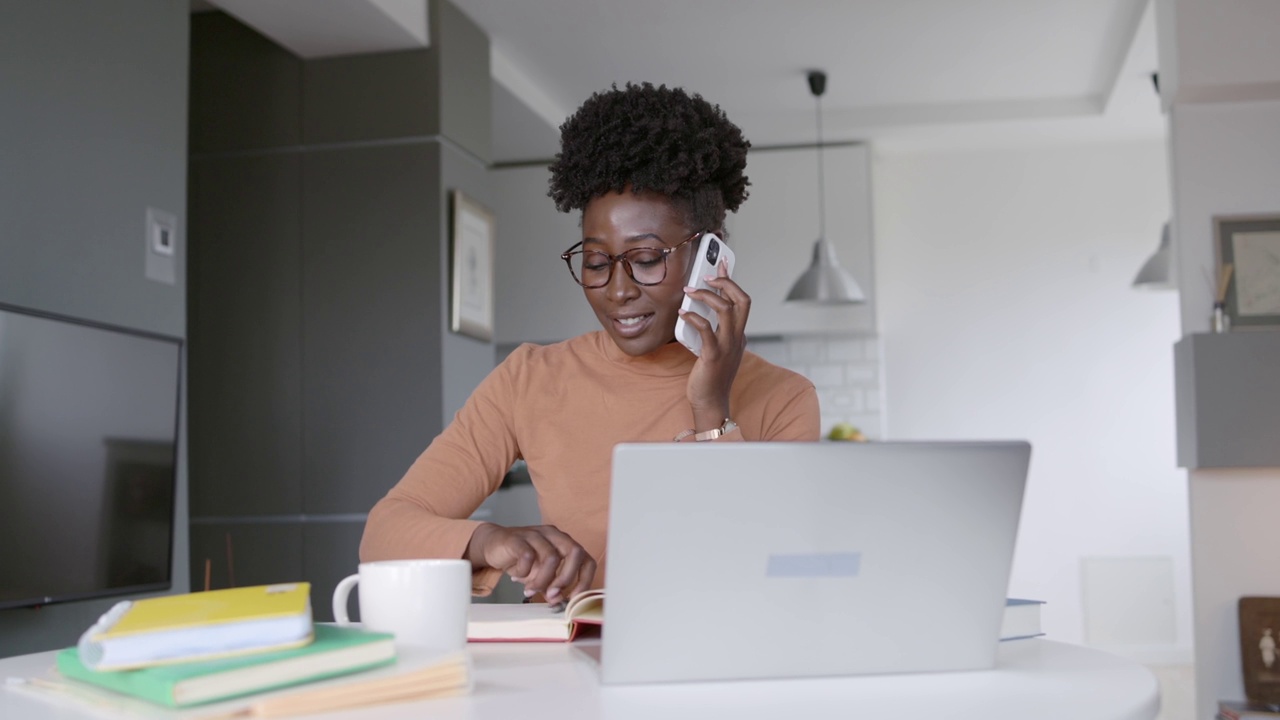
(728, 427)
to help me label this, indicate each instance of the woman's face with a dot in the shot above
(639, 318)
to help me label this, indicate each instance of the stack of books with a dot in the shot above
(185, 650)
(1021, 619)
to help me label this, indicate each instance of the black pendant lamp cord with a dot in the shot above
(822, 195)
(817, 86)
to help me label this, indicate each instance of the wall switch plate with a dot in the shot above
(162, 240)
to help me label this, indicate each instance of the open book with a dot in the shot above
(536, 622)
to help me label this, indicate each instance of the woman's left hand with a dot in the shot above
(713, 373)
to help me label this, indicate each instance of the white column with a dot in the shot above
(1220, 84)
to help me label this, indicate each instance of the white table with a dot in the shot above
(1036, 679)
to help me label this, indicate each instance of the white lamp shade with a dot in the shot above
(825, 282)
(1157, 271)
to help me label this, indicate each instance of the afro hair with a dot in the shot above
(654, 139)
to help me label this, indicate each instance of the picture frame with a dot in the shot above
(1251, 245)
(472, 250)
(1259, 654)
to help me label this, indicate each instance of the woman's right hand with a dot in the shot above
(541, 557)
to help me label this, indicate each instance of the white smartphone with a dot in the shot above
(712, 253)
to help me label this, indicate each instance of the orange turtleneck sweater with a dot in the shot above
(562, 408)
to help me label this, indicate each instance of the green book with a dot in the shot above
(335, 651)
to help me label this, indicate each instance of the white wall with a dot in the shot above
(1226, 160)
(1006, 312)
(1224, 111)
(536, 299)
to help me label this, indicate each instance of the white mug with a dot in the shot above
(422, 602)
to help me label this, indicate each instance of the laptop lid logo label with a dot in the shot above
(814, 565)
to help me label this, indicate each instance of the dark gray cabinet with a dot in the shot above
(1228, 399)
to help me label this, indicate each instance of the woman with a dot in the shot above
(651, 170)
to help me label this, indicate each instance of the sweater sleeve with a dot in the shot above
(425, 514)
(791, 414)
(798, 418)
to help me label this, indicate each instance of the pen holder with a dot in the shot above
(1221, 321)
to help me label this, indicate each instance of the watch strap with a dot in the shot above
(728, 427)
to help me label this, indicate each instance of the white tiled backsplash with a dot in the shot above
(845, 370)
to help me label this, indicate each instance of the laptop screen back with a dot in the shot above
(755, 560)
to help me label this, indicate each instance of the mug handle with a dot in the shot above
(340, 594)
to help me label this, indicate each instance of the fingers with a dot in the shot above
(568, 581)
(703, 326)
(509, 551)
(586, 573)
(738, 300)
(732, 294)
(711, 379)
(545, 560)
(732, 305)
(543, 570)
(577, 568)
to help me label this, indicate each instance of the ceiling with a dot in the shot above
(903, 75)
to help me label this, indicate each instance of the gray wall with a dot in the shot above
(322, 363)
(465, 84)
(466, 361)
(93, 131)
(245, 304)
(539, 300)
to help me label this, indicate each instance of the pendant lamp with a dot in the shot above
(825, 282)
(1157, 271)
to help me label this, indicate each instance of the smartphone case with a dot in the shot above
(687, 334)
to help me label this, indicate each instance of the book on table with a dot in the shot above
(201, 625)
(335, 651)
(537, 622)
(1021, 619)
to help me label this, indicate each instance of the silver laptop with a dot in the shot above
(767, 560)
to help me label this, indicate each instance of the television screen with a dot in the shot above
(88, 459)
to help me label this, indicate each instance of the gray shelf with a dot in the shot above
(1228, 399)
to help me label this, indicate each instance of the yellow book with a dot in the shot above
(198, 626)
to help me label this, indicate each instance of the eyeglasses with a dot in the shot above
(645, 265)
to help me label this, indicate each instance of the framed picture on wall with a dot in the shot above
(1248, 249)
(1259, 657)
(471, 241)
